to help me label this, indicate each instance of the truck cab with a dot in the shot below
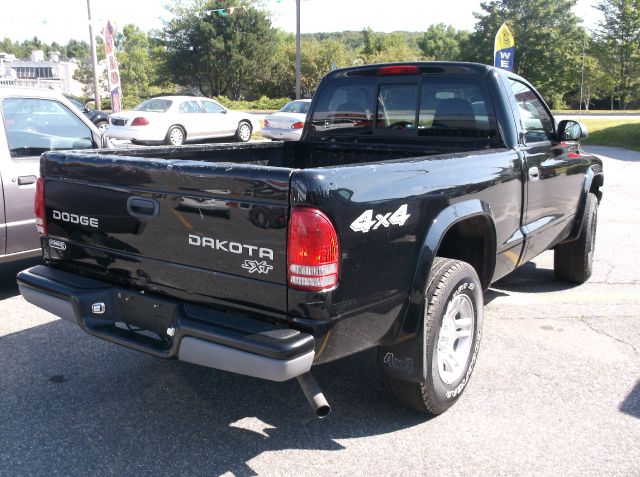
(33, 121)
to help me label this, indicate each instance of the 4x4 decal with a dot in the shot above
(365, 222)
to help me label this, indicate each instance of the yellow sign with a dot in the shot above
(504, 38)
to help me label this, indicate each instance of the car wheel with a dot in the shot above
(573, 261)
(243, 132)
(102, 126)
(175, 136)
(452, 330)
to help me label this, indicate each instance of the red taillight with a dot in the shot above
(298, 125)
(312, 252)
(39, 208)
(266, 123)
(139, 121)
(399, 70)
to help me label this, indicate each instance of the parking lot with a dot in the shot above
(556, 389)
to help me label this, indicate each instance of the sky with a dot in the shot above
(62, 20)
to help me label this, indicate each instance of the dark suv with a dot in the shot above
(99, 118)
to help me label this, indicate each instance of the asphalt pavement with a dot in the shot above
(556, 389)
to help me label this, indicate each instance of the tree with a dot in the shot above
(137, 65)
(442, 42)
(618, 46)
(80, 50)
(219, 54)
(381, 48)
(84, 75)
(548, 40)
(316, 59)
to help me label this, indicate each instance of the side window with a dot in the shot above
(189, 107)
(455, 108)
(397, 106)
(345, 107)
(37, 125)
(536, 121)
(211, 107)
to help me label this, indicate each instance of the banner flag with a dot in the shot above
(112, 67)
(504, 49)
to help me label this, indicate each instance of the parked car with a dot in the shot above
(33, 121)
(99, 118)
(287, 123)
(176, 119)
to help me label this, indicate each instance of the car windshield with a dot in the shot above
(296, 107)
(154, 105)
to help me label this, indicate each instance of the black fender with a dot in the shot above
(402, 355)
(594, 177)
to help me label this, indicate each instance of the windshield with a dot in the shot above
(156, 105)
(296, 107)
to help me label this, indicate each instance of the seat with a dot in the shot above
(454, 113)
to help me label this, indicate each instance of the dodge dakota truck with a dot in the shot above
(413, 188)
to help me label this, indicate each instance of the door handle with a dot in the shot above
(26, 180)
(534, 174)
(142, 208)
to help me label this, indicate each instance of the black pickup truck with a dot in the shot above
(414, 187)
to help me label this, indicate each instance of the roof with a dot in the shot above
(8, 91)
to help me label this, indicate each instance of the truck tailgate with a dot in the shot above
(172, 226)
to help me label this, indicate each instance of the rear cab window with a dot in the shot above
(414, 106)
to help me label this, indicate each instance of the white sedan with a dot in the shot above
(287, 123)
(177, 119)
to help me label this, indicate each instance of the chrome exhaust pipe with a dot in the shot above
(313, 394)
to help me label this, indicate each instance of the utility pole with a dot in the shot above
(94, 58)
(297, 49)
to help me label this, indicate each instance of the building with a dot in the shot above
(37, 72)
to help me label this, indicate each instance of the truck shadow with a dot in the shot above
(76, 405)
(631, 404)
(8, 272)
(529, 278)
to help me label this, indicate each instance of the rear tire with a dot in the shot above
(573, 261)
(243, 133)
(175, 136)
(453, 328)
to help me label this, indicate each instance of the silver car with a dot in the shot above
(33, 121)
(287, 124)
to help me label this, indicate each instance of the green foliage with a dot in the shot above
(617, 133)
(138, 65)
(383, 48)
(548, 40)
(617, 47)
(241, 56)
(218, 55)
(442, 42)
(263, 103)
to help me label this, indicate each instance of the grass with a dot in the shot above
(623, 133)
(616, 112)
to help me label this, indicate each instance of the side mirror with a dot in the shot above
(105, 142)
(569, 130)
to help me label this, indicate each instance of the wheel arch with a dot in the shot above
(593, 181)
(463, 231)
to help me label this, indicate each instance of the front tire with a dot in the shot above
(102, 126)
(573, 261)
(175, 136)
(243, 133)
(452, 329)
